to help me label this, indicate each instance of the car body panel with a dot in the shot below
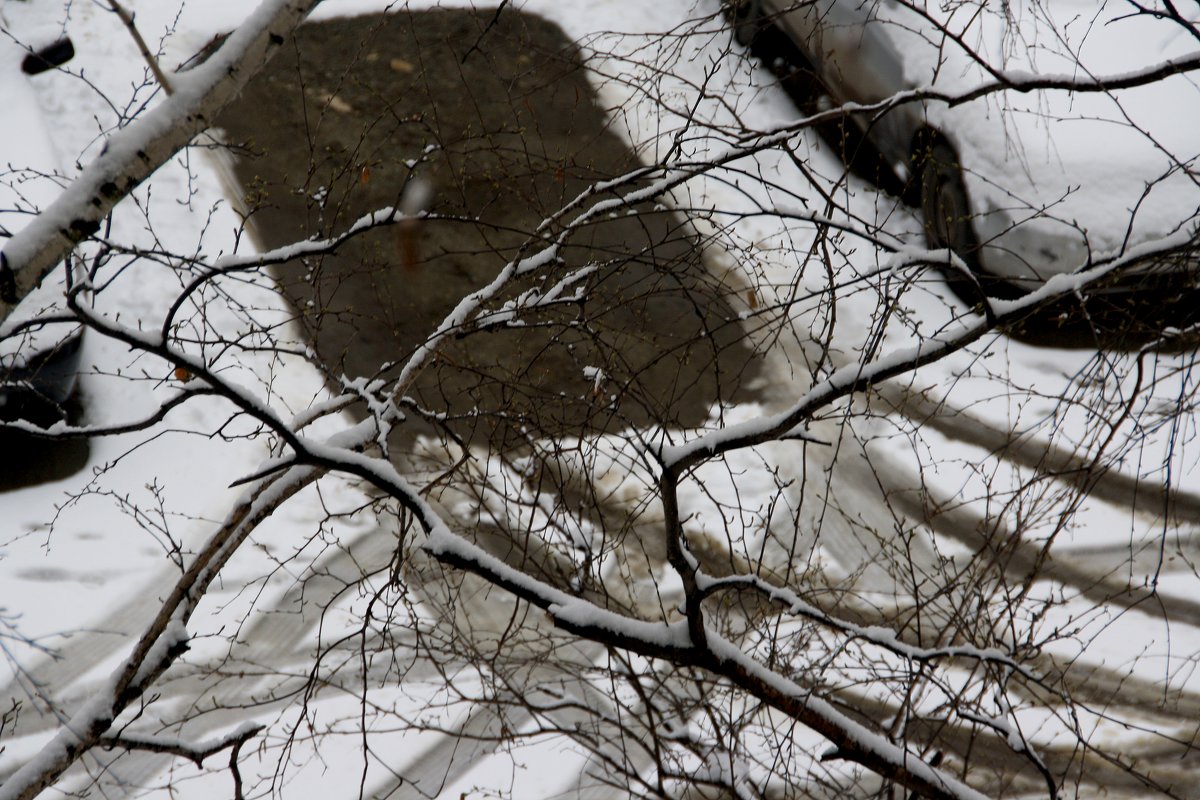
(855, 56)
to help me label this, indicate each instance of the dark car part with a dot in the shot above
(948, 218)
(39, 390)
(48, 57)
(1126, 311)
(849, 135)
(38, 376)
(944, 201)
(746, 17)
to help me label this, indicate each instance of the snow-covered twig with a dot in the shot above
(196, 753)
(163, 640)
(881, 637)
(855, 377)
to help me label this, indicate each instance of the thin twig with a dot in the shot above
(490, 25)
(127, 19)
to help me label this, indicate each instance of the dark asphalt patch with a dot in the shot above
(501, 124)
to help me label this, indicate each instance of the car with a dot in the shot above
(39, 361)
(39, 358)
(1023, 186)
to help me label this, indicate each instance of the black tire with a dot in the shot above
(944, 202)
(746, 16)
(948, 220)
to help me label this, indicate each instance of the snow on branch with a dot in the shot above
(852, 741)
(197, 753)
(162, 642)
(64, 430)
(1020, 81)
(855, 377)
(84, 729)
(884, 638)
(132, 154)
(1003, 81)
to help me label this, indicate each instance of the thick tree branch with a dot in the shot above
(851, 740)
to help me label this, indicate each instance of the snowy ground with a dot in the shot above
(77, 560)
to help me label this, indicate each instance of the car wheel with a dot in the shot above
(949, 220)
(747, 19)
(944, 202)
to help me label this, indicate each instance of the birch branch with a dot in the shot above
(132, 154)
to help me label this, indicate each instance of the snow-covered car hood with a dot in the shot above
(1090, 172)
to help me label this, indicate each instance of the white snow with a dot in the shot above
(74, 551)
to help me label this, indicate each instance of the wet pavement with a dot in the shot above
(499, 124)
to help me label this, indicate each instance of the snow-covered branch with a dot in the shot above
(716, 654)
(693, 552)
(855, 377)
(132, 154)
(196, 753)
